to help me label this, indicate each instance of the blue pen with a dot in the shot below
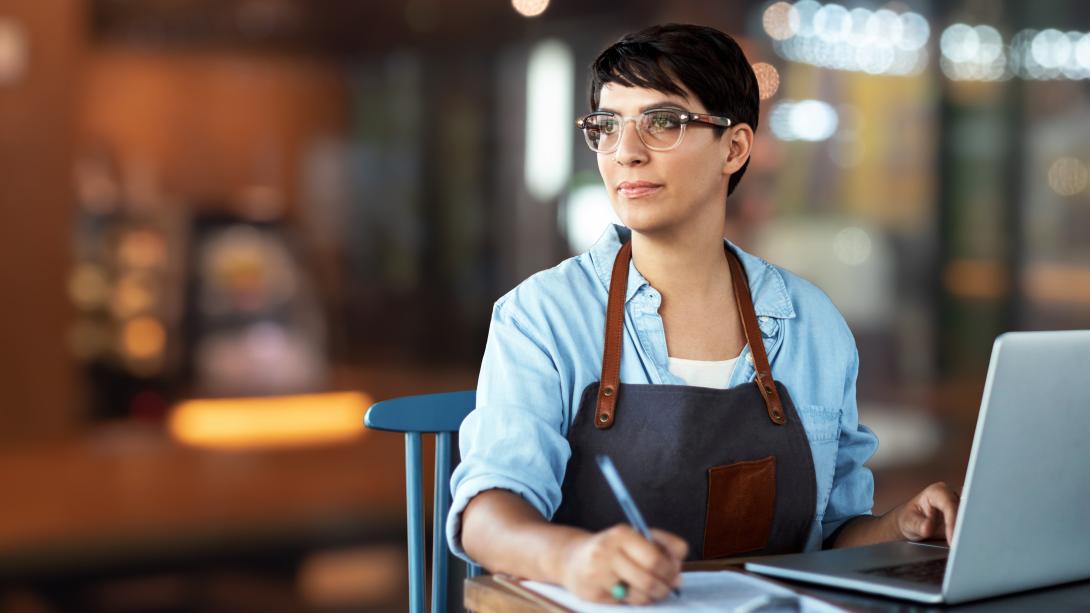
(613, 478)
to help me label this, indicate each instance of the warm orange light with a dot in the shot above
(131, 296)
(142, 249)
(143, 338)
(280, 421)
(1057, 283)
(976, 279)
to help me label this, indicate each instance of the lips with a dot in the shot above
(638, 189)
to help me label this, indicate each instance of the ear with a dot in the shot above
(735, 145)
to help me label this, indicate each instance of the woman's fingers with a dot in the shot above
(674, 544)
(932, 524)
(934, 512)
(644, 586)
(918, 526)
(596, 566)
(652, 557)
(948, 503)
(620, 554)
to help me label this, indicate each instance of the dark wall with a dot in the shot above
(37, 376)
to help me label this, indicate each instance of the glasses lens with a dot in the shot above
(602, 130)
(660, 129)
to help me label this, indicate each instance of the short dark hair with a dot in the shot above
(706, 61)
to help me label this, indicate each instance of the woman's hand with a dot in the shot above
(592, 566)
(930, 514)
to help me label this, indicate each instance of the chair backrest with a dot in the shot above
(440, 414)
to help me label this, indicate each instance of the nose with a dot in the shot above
(630, 150)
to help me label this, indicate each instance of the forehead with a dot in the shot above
(628, 100)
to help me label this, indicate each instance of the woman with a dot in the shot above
(658, 347)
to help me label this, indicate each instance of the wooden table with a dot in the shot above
(125, 495)
(487, 595)
(129, 496)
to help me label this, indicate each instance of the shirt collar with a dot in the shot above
(770, 298)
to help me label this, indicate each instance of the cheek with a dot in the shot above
(705, 172)
(606, 168)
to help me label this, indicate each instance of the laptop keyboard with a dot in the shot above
(928, 571)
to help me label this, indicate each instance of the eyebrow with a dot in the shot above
(654, 105)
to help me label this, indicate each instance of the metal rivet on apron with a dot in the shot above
(603, 418)
(608, 391)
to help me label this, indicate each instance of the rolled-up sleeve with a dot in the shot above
(514, 438)
(853, 484)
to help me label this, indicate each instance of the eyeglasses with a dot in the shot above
(659, 129)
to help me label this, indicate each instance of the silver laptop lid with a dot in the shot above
(1024, 521)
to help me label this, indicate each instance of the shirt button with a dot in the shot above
(749, 358)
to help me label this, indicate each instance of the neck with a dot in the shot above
(687, 265)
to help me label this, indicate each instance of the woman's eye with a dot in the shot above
(663, 121)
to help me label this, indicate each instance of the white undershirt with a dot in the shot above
(703, 373)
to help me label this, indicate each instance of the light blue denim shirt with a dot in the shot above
(545, 346)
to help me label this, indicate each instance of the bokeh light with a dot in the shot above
(852, 246)
(861, 40)
(132, 296)
(1068, 176)
(1050, 54)
(973, 53)
(14, 51)
(143, 338)
(781, 21)
(142, 249)
(585, 215)
(1050, 48)
(808, 120)
(959, 42)
(284, 421)
(768, 79)
(530, 8)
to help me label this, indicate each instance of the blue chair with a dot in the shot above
(440, 414)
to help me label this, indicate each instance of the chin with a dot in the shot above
(641, 215)
(644, 224)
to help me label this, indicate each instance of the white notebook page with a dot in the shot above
(700, 591)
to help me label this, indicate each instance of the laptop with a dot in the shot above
(1024, 519)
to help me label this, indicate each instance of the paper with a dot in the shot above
(700, 591)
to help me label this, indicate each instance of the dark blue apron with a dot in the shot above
(730, 471)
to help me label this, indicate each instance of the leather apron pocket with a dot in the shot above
(741, 501)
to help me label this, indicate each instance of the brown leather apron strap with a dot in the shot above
(611, 355)
(765, 382)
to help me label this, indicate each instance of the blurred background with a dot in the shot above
(229, 226)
